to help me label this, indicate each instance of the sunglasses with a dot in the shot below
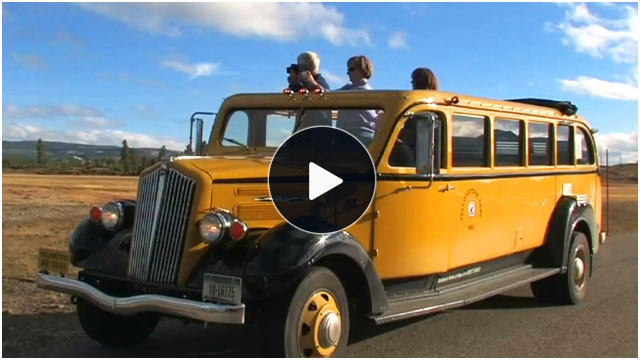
(351, 69)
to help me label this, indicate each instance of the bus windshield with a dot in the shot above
(253, 128)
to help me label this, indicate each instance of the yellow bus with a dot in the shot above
(473, 197)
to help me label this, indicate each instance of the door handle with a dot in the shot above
(449, 187)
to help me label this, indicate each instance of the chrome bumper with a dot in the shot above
(215, 313)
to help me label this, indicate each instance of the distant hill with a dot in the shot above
(26, 151)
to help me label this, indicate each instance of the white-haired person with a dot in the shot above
(306, 73)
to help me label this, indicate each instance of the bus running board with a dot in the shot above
(461, 295)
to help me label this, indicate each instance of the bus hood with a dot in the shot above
(230, 167)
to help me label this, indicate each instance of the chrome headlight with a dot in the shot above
(212, 227)
(112, 215)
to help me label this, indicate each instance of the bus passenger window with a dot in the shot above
(539, 144)
(563, 143)
(584, 148)
(469, 141)
(507, 142)
(403, 153)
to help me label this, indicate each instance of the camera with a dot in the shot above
(292, 68)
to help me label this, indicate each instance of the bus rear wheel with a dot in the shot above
(571, 286)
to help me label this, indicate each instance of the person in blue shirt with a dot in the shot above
(360, 123)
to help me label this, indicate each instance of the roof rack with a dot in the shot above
(565, 107)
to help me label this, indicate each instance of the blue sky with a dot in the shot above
(100, 72)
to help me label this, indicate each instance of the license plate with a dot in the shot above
(222, 288)
(53, 261)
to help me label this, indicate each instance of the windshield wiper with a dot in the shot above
(235, 142)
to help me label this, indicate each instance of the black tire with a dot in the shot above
(570, 287)
(115, 330)
(322, 285)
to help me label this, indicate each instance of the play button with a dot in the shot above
(322, 179)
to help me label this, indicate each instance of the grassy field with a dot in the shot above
(42, 210)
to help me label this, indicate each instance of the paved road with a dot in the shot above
(509, 325)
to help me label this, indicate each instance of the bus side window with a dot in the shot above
(539, 144)
(403, 153)
(469, 145)
(564, 144)
(507, 142)
(584, 148)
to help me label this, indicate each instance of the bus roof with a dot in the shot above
(376, 97)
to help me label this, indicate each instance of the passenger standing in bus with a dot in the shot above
(423, 79)
(361, 123)
(305, 73)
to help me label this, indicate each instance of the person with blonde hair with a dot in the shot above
(360, 123)
(423, 79)
(305, 74)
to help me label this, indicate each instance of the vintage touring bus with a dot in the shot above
(473, 197)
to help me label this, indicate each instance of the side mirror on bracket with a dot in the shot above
(199, 129)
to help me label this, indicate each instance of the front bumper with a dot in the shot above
(208, 312)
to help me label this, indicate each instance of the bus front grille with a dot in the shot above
(162, 214)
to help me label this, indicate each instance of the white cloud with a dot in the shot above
(19, 131)
(335, 81)
(601, 88)
(65, 38)
(49, 111)
(144, 111)
(193, 70)
(81, 115)
(278, 21)
(598, 37)
(622, 146)
(33, 62)
(398, 40)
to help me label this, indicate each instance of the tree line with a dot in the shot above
(131, 162)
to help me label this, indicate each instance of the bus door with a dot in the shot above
(411, 235)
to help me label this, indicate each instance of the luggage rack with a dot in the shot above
(565, 107)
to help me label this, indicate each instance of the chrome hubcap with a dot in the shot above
(329, 331)
(579, 268)
(579, 265)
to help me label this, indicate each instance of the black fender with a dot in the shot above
(567, 217)
(90, 238)
(273, 262)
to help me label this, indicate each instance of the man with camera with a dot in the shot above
(305, 74)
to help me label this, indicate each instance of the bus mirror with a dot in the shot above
(199, 125)
(425, 128)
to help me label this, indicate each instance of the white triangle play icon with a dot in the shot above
(321, 181)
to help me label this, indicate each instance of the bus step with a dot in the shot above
(447, 298)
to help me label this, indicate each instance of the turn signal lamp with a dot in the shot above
(95, 214)
(287, 91)
(318, 91)
(237, 230)
(303, 91)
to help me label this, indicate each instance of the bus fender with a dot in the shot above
(283, 253)
(89, 238)
(567, 217)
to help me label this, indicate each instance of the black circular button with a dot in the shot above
(322, 179)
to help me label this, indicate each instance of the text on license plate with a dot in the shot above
(53, 261)
(222, 288)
